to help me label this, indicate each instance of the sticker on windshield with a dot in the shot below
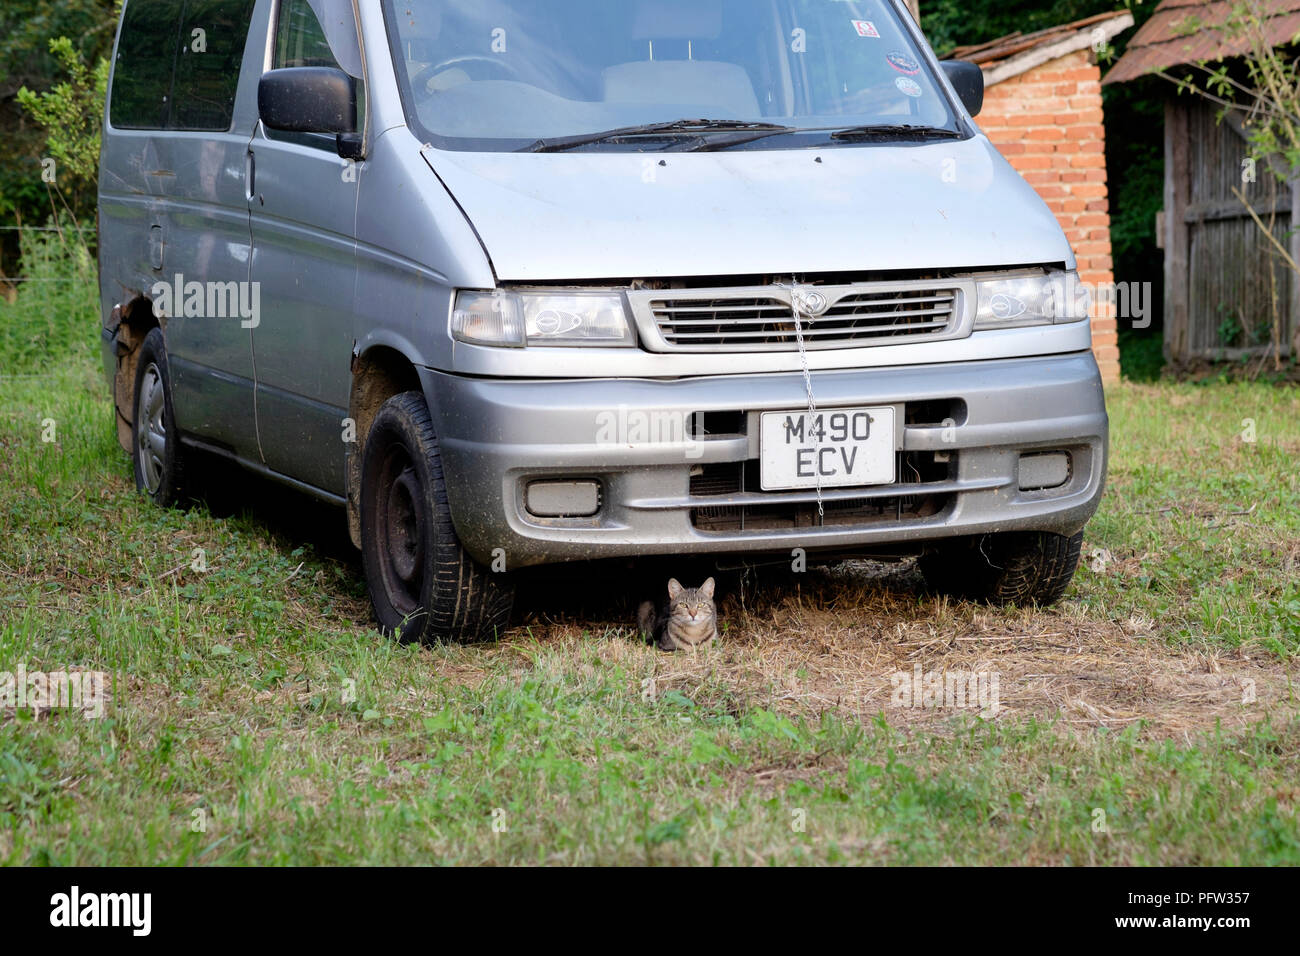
(908, 86)
(904, 63)
(866, 28)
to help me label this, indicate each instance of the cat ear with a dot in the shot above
(674, 589)
(707, 589)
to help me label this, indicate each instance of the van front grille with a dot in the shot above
(839, 514)
(854, 316)
(926, 472)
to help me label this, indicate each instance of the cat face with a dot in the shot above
(693, 606)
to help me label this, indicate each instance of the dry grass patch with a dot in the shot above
(834, 640)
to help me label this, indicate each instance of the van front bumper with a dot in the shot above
(961, 474)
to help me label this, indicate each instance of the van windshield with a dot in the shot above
(520, 74)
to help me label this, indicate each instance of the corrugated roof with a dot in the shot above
(1181, 32)
(1008, 46)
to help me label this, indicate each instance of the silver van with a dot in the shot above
(518, 282)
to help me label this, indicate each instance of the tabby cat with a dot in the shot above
(689, 619)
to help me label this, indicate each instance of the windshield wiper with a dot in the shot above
(651, 129)
(883, 132)
(709, 144)
(898, 131)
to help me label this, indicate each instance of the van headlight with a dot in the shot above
(516, 319)
(1058, 298)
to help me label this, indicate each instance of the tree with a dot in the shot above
(952, 23)
(26, 28)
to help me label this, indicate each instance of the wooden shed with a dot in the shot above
(1228, 293)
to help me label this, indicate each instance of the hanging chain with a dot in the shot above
(796, 309)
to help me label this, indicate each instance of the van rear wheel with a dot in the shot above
(156, 454)
(423, 584)
(1015, 567)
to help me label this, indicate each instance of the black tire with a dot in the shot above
(156, 454)
(423, 585)
(1020, 567)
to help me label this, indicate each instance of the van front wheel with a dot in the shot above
(1015, 567)
(423, 585)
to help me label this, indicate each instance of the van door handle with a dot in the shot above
(250, 176)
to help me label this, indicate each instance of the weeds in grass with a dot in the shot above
(52, 318)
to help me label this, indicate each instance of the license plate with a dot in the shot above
(836, 448)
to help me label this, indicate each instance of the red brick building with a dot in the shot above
(1043, 111)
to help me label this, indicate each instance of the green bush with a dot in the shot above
(72, 112)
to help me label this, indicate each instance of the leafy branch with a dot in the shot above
(71, 112)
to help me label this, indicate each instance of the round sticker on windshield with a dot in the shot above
(908, 86)
(904, 63)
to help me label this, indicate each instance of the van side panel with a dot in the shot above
(304, 263)
(174, 228)
(414, 244)
(303, 213)
(206, 241)
(414, 247)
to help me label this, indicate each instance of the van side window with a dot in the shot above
(178, 64)
(146, 56)
(213, 33)
(301, 40)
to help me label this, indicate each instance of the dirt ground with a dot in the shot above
(845, 639)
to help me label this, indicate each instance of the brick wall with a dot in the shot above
(1048, 124)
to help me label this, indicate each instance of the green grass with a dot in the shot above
(232, 688)
(39, 324)
(1203, 513)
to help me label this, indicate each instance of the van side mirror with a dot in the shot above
(968, 80)
(308, 99)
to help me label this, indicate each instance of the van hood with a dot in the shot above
(581, 216)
